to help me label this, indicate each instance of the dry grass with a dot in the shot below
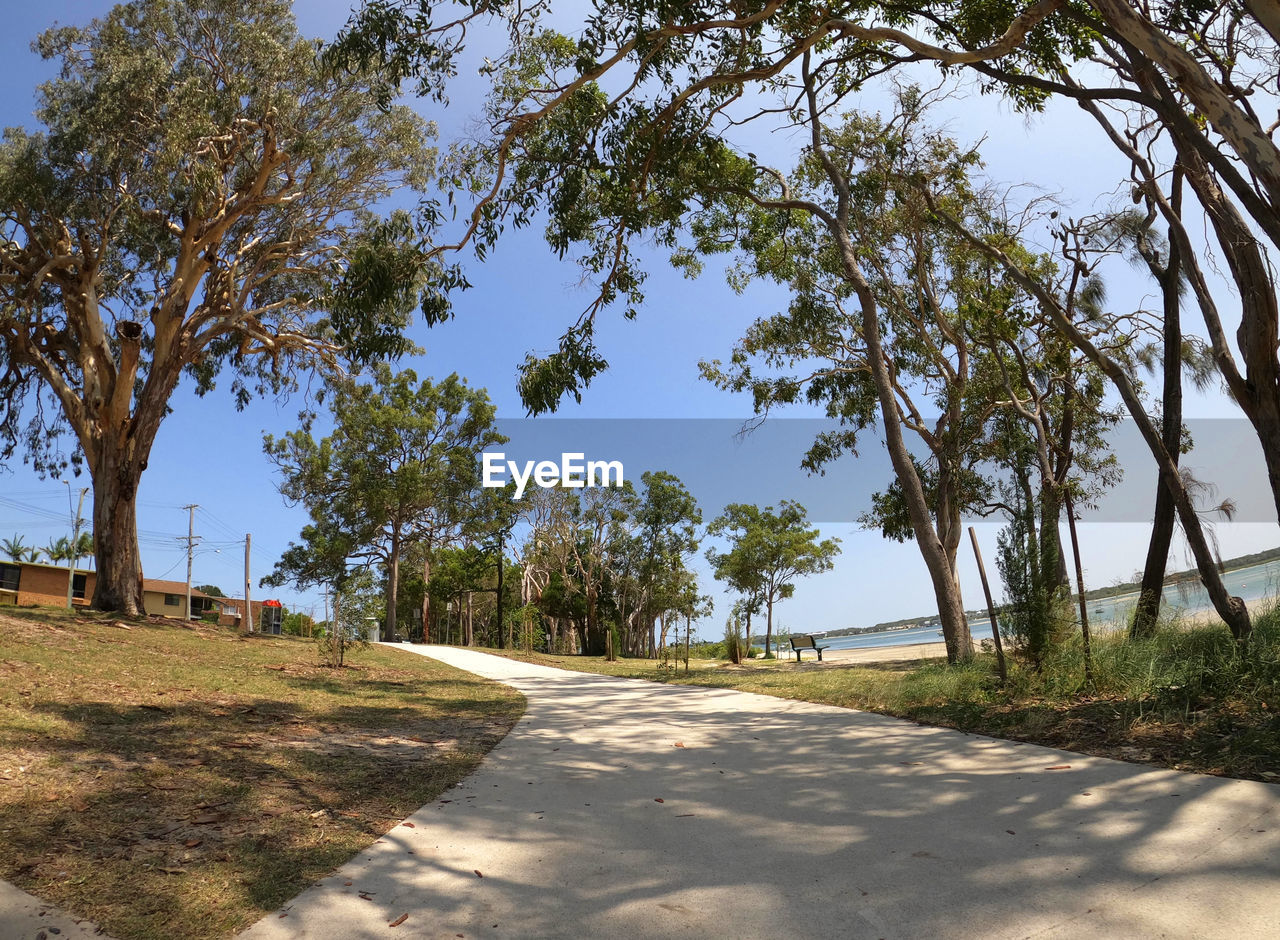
(170, 781)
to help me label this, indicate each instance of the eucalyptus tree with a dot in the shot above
(1061, 307)
(401, 467)
(621, 129)
(931, 297)
(188, 205)
(666, 519)
(768, 551)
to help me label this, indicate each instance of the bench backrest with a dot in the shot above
(803, 643)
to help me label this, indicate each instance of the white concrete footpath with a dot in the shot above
(26, 917)
(622, 808)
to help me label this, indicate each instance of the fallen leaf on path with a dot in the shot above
(477, 871)
(1059, 767)
(1011, 832)
(399, 920)
(683, 815)
(678, 744)
(658, 799)
(410, 825)
(192, 843)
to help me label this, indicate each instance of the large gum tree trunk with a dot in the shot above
(118, 584)
(117, 444)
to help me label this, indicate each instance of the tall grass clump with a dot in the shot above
(1177, 668)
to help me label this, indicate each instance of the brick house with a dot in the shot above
(27, 583)
(169, 599)
(231, 611)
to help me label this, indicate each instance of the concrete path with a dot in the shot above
(620, 808)
(26, 917)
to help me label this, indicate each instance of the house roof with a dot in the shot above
(235, 605)
(156, 586)
(42, 564)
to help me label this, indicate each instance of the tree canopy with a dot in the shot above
(193, 202)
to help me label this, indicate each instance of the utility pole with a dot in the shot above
(248, 608)
(75, 543)
(191, 544)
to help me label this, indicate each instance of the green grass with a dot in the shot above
(172, 782)
(1188, 698)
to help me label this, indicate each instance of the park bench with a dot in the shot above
(799, 643)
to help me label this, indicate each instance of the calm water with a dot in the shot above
(1251, 584)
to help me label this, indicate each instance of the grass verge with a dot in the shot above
(175, 782)
(1188, 698)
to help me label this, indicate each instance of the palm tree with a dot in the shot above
(84, 548)
(15, 548)
(59, 550)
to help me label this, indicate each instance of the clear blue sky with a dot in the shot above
(209, 454)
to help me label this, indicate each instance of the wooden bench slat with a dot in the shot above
(805, 642)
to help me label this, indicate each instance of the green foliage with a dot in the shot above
(402, 466)
(735, 644)
(1037, 614)
(196, 166)
(358, 604)
(768, 550)
(16, 549)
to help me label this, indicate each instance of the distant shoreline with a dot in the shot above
(1117, 600)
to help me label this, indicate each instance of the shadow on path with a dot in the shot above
(621, 807)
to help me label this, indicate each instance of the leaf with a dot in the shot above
(477, 871)
(409, 825)
(1059, 767)
(192, 843)
(399, 920)
(658, 799)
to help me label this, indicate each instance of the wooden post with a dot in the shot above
(688, 622)
(991, 608)
(1084, 605)
(191, 544)
(248, 607)
(75, 545)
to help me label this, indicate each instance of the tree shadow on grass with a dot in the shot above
(192, 819)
